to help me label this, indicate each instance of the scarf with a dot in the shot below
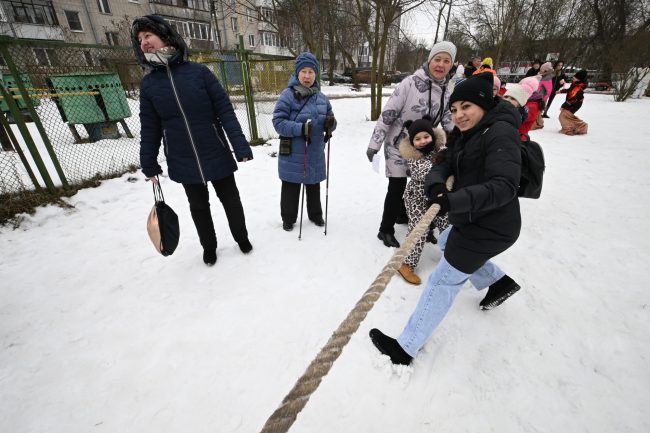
(301, 91)
(161, 56)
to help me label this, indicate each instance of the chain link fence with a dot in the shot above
(80, 120)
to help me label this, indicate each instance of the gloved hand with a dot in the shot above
(306, 130)
(435, 190)
(370, 153)
(330, 121)
(437, 193)
(443, 201)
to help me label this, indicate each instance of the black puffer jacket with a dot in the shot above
(183, 104)
(483, 206)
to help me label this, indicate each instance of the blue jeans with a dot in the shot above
(443, 285)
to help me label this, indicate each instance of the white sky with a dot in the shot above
(419, 24)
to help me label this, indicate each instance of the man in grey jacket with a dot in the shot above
(425, 92)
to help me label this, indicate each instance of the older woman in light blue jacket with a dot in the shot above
(302, 116)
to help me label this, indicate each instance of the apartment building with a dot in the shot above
(204, 24)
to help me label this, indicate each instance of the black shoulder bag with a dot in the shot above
(162, 224)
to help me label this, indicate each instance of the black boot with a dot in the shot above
(287, 226)
(389, 346)
(245, 246)
(210, 256)
(319, 221)
(388, 239)
(499, 292)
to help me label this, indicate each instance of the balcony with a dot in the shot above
(30, 19)
(31, 31)
(191, 6)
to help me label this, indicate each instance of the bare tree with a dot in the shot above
(384, 16)
(616, 23)
(410, 53)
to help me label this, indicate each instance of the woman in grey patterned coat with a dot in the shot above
(425, 92)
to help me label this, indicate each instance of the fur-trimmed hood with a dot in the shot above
(408, 151)
(165, 32)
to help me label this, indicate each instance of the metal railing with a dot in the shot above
(70, 111)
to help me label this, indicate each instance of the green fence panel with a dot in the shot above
(9, 81)
(79, 107)
(75, 106)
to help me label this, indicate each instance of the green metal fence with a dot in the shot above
(73, 115)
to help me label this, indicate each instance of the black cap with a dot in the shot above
(415, 126)
(477, 89)
(581, 75)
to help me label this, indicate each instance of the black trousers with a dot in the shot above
(198, 196)
(549, 102)
(290, 200)
(393, 204)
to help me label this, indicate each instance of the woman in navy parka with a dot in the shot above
(301, 117)
(183, 105)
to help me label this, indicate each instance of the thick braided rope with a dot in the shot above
(283, 418)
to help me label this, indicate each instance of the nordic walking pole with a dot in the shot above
(302, 203)
(304, 176)
(327, 177)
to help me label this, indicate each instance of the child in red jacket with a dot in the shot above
(535, 105)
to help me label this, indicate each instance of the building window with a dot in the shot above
(112, 38)
(270, 39)
(103, 6)
(234, 24)
(190, 29)
(267, 15)
(250, 15)
(73, 21)
(32, 12)
(45, 57)
(251, 40)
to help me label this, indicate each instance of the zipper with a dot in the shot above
(457, 180)
(187, 124)
(165, 146)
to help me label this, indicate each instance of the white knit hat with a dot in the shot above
(519, 93)
(443, 47)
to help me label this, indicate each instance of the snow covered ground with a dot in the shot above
(100, 334)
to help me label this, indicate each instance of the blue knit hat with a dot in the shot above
(306, 60)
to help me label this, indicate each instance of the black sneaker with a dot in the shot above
(245, 246)
(318, 221)
(388, 239)
(389, 346)
(499, 292)
(210, 256)
(287, 226)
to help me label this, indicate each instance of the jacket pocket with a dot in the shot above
(219, 140)
(165, 143)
